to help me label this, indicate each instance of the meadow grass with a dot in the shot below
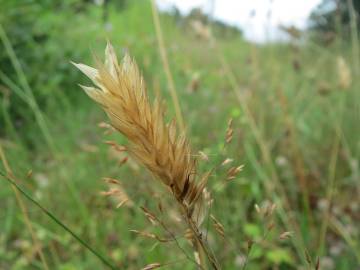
(295, 130)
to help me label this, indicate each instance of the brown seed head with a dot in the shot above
(120, 90)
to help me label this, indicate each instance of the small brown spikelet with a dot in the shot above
(233, 171)
(152, 266)
(120, 90)
(218, 226)
(117, 192)
(229, 131)
(285, 235)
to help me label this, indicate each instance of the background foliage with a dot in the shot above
(303, 152)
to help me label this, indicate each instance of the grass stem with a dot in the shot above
(56, 220)
(166, 66)
(23, 210)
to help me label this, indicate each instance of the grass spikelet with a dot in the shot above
(115, 146)
(117, 193)
(285, 235)
(149, 215)
(257, 208)
(29, 174)
(108, 129)
(120, 90)
(233, 171)
(152, 266)
(151, 236)
(229, 131)
(203, 156)
(269, 210)
(189, 235)
(218, 226)
(123, 161)
(226, 161)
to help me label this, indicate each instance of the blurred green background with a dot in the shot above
(295, 110)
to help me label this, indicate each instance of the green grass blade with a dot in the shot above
(56, 220)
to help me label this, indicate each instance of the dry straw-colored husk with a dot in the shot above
(120, 90)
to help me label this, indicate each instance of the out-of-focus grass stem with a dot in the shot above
(28, 94)
(166, 66)
(354, 37)
(24, 211)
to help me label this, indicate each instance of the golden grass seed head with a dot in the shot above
(120, 90)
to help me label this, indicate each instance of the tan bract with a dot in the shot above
(120, 90)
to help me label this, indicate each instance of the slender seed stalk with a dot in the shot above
(56, 220)
(166, 66)
(24, 210)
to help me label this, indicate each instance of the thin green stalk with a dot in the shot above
(16, 89)
(25, 93)
(7, 119)
(344, 233)
(331, 186)
(27, 89)
(329, 196)
(24, 211)
(266, 155)
(354, 36)
(56, 220)
(166, 66)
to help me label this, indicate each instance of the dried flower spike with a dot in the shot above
(120, 90)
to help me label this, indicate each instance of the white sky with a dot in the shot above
(269, 14)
